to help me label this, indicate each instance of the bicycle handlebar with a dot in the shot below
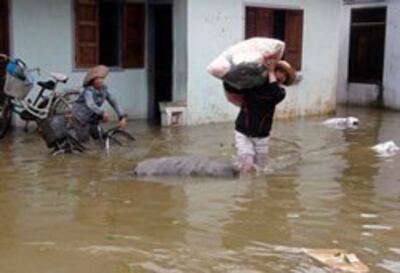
(35, 69)
(111, 130)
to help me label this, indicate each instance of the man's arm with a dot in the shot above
(274, 92)
(277, 93)
(118, 110)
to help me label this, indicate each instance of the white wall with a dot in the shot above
(344, 47)
(42, 35)
(391, 79)
(213, 25)
(363, 94)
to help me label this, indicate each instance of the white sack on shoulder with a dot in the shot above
(241, 64)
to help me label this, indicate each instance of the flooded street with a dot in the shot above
(327, 189)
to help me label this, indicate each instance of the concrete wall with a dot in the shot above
(391, 80)
(213, 25)
(180, 51)
(42, 34)
(363, 94)
(344, 47)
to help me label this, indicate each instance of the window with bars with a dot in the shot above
(109, 33)
(283, 24)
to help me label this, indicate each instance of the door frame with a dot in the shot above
(150, 41)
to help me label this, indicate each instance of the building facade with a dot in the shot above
(159, 50)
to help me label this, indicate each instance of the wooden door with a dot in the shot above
(294, 37)
(259, 22)
(86, 33)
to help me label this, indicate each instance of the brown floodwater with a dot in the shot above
(87, 213)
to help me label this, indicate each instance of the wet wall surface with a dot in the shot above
(86, 213)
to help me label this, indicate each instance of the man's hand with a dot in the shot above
(106, 116)
(122, 123)
(270, 61)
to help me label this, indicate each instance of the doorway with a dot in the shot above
(367, 45)
(160, 58)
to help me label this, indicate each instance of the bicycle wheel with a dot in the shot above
(118, 137)
(6, 109)
(100, 136)
(63, 104)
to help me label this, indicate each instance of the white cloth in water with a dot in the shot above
(386, 149)
(342, 123)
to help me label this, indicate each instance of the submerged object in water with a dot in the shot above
(191, 165)
(387, 148)
(338, 260)
(342, 123)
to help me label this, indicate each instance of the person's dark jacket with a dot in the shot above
(257, 110)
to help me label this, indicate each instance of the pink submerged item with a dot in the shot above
(235, 99)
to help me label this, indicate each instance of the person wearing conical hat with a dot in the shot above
(87, 109)
(257, 106)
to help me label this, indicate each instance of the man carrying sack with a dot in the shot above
(257, 108)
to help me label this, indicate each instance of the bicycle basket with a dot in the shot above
(19, 81)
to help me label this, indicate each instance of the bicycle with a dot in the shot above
(19, 81)
(57, 135)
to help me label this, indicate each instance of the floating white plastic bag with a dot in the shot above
(241, 64)
(342, 123)
(386, 149)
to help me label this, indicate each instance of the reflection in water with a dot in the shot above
(326, 189)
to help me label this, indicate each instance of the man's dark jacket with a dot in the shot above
(257, 110)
